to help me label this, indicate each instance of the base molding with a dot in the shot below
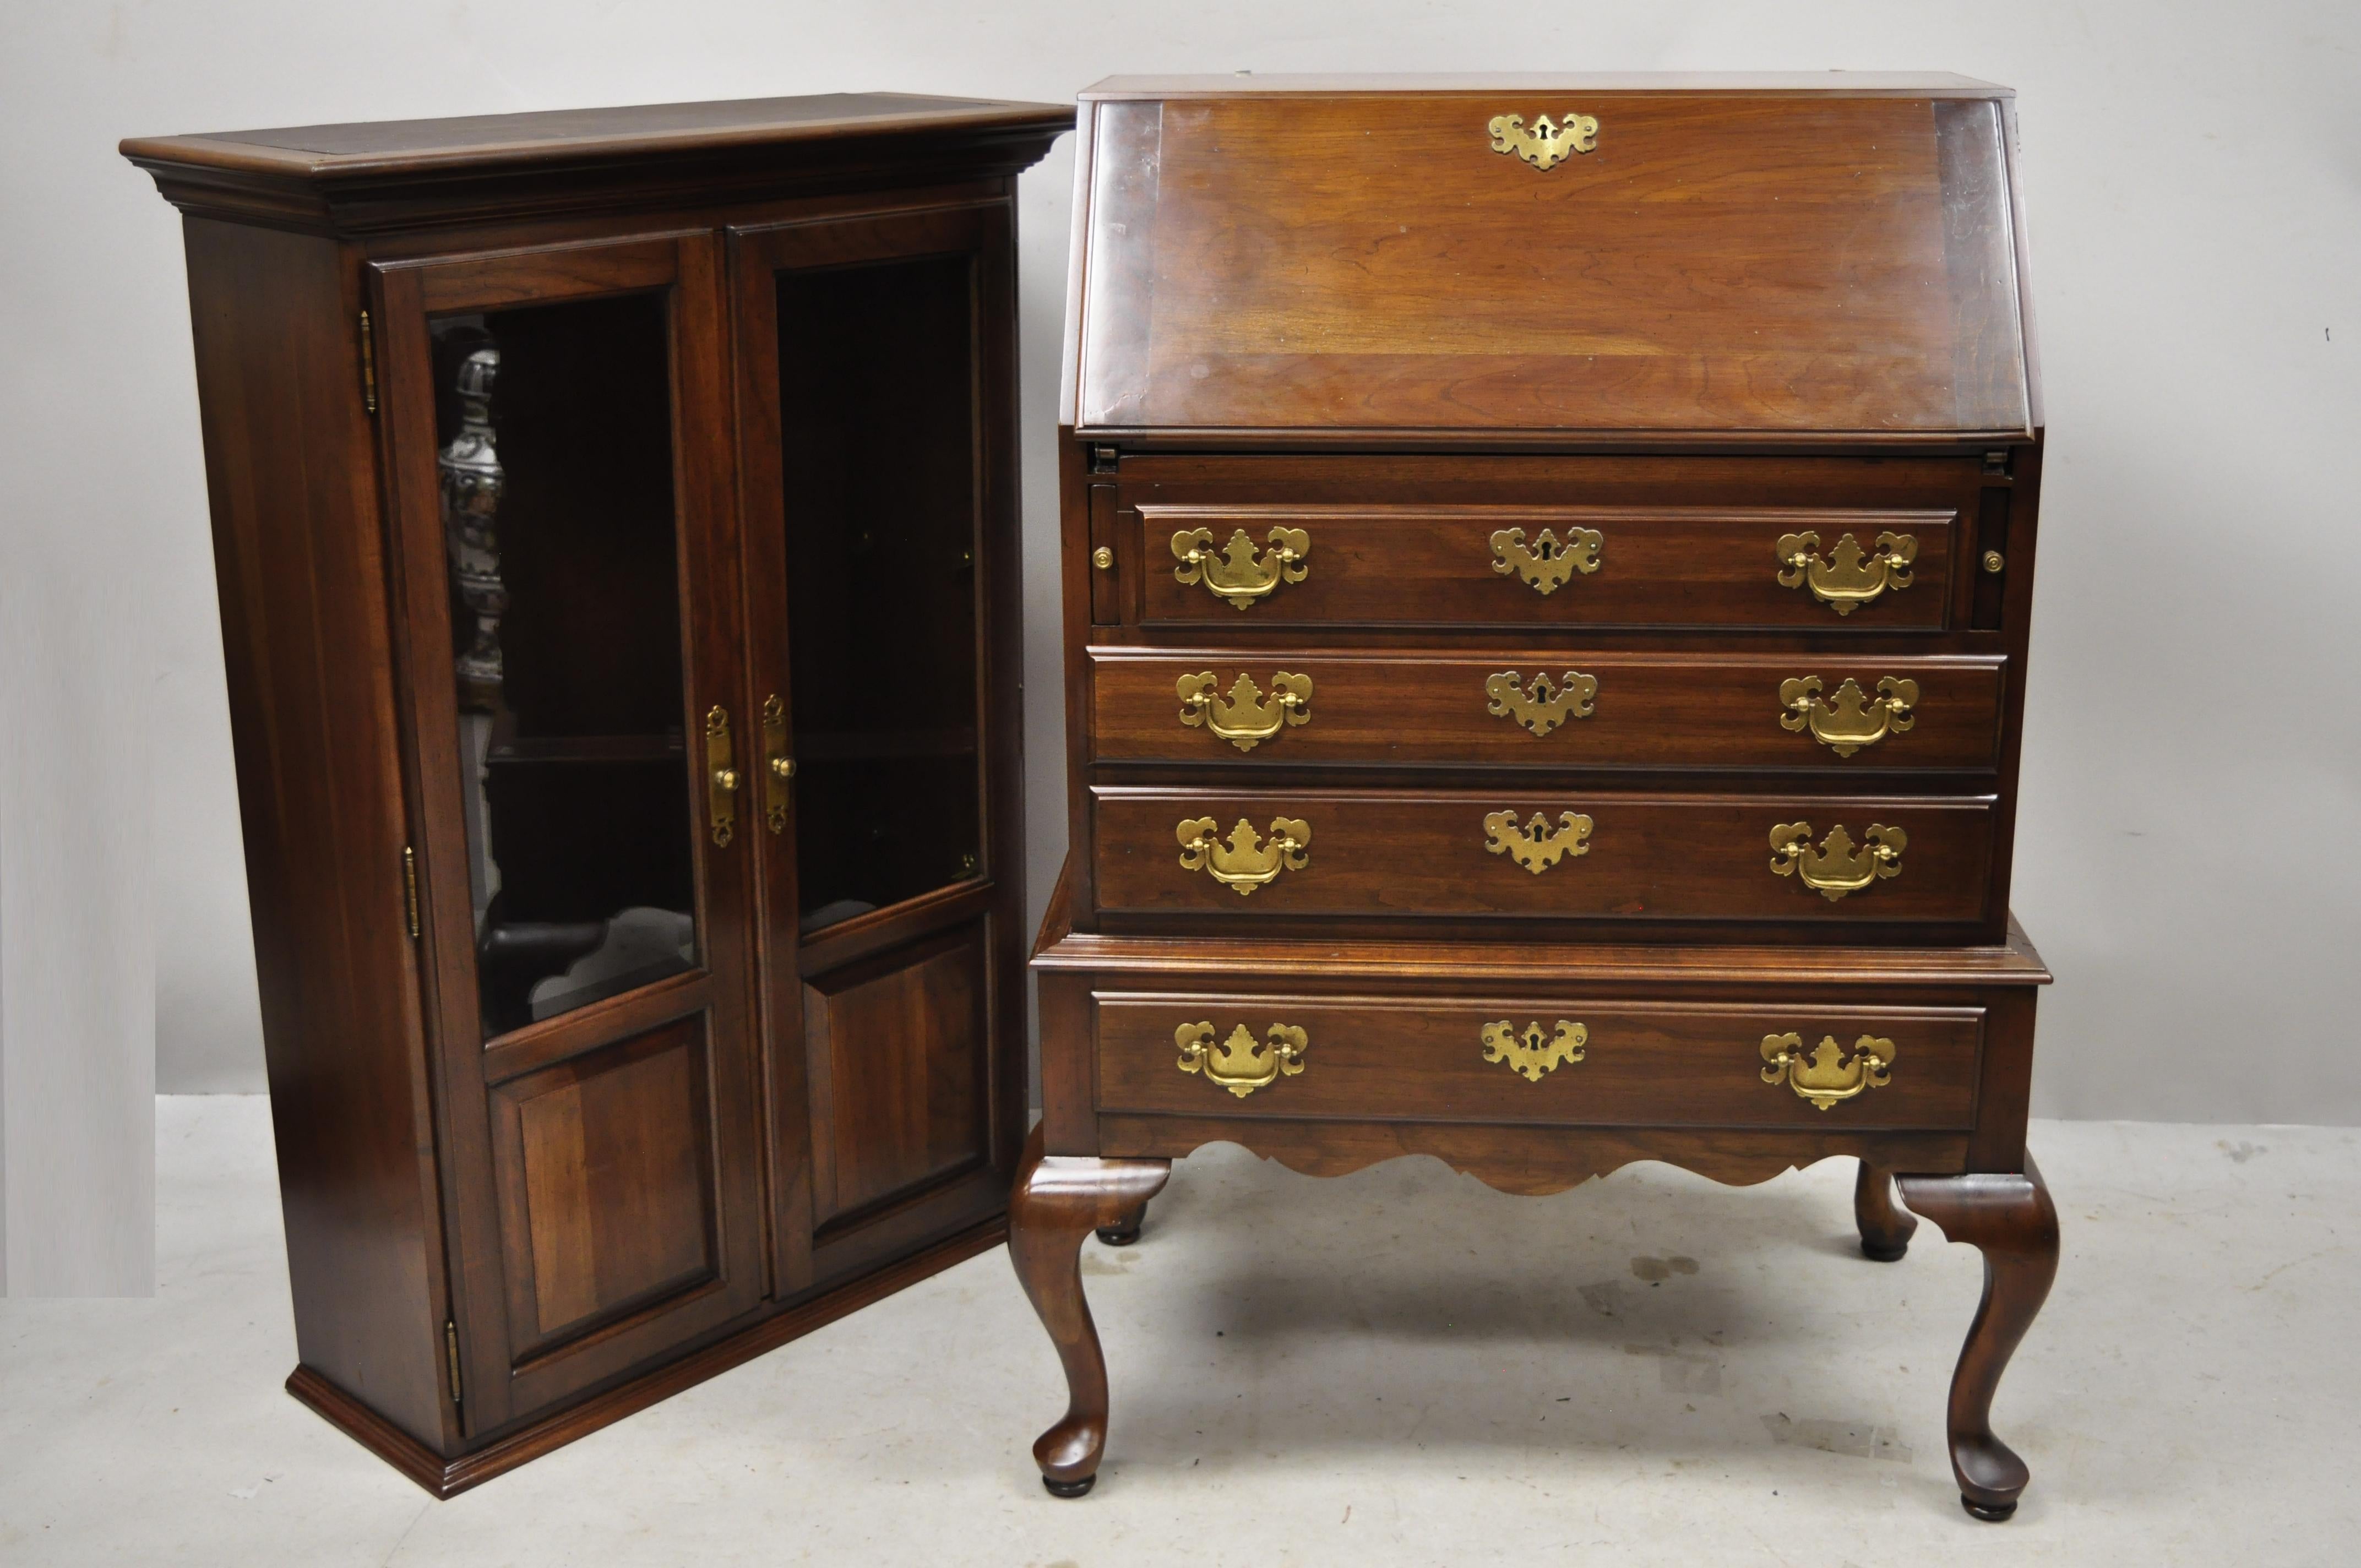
(447, 1477)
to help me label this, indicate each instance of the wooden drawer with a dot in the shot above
(1430, 563)
(1641, 856)
(1510, 1059)
(1528, 708)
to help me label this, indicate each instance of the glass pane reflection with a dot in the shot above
(554, 425)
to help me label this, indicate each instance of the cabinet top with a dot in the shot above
(383, 173)
(1669, 257)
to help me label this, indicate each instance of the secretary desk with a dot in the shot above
(1547, 566)
(615, 519)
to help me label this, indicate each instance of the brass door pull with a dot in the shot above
(1828, 1074)
(721, 777)
(1851, 577)
(1246, 719)
(1536, 846)
(1532, 1053)
(1544, 706)
(1238, 573)
(1546, 564)
(1241, 1064)
(777, 766)
(1247, 862)
(1852, 719)
(1838, 867)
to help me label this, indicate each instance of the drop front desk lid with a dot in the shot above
(1731, 256)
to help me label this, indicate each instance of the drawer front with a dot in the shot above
(1835, 569)
(1573, 855)
(1606, 1063)
(1547, 709)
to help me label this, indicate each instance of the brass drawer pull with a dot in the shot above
(1546, 564)
(1532, 1053)
(1537, 846)
(721, 777)
(1851, 720)
(1544, 706)
(1247, 862)
(1245, 719)
(1849, 578)
(1543, 145)
(1236, 574)
(1241, 1064)
(1829, 1075)
(1836, 867)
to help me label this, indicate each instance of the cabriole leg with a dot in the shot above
(1058, 1200)
(1885, 1228)
(2011, 1220)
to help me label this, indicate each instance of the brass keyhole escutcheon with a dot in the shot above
(1531, 1054)
(1538, 844)
(1543, 144)
(1548, 563)
(1544, 706)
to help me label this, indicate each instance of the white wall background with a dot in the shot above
(2188, 859)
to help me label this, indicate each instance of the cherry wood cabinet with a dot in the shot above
(1548, 570)
(615, 516)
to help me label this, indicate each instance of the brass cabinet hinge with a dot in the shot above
(368, 365)
(410, 887)
(451, 1354)
(1996, 462)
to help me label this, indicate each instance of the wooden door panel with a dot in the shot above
(586, 917)
(607, 1179)
(900, 1073)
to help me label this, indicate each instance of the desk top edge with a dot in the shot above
(1821, 84)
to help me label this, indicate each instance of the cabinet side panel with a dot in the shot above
(301, 568)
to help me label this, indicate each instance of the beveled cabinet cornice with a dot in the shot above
(370, 179)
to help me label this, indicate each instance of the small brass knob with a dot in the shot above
(1103, 558)
(1992, 562)
(725, 778)
(783, 767)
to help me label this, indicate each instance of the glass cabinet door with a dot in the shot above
(875, 390)
(557, 440)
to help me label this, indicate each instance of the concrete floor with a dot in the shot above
(1398, 1366)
